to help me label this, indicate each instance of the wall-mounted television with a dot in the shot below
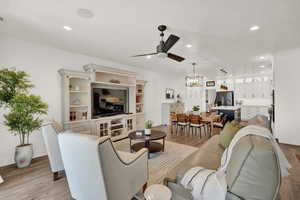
(109, 101)
(225, 98)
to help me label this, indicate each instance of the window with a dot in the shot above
(248, 80)
(257, 79)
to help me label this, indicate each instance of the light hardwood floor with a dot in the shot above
(35, 182)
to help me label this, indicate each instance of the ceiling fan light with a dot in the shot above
(162, 55)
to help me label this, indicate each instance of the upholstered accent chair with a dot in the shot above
(50, 133)
(95, 170)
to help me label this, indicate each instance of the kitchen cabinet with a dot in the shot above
(250, 111)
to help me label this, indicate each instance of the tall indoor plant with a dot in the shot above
(23, 111)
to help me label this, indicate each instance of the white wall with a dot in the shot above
(42, 63)
(195, 96)
(287, 96)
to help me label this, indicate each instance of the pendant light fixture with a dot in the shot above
(194, 80)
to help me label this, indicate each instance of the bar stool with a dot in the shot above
(196, 123)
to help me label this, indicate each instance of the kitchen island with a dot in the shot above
(233, 112)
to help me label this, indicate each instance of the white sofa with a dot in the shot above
(95, 170)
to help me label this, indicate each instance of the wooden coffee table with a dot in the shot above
(147, 141)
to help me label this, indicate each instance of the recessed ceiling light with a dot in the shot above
(85, 13)
(254, 28)
(188, 46)
(148, 57)
(262, 57)
(262, 66)
(67, 28)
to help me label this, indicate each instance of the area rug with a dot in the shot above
(161, 163)
(298, 157)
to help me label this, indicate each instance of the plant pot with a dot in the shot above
(147, 131)
(23, 155)
(196, 112)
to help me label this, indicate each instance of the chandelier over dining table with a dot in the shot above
(195, 80)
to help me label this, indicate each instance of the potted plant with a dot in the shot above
(148, 126)
(23, 111)
(196, 110)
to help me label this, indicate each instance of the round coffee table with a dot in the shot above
(147, 141)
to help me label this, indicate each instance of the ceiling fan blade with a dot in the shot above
(175, 57)
(172, 39)
(148, 54)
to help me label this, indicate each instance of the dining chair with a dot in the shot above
(222, 120)
(182, 122)
(173, 118)
(196, 123)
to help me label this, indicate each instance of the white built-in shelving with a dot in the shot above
(77, 96)
(140, 103)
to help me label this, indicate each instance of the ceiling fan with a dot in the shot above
(164, 46)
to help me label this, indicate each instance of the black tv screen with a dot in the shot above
(225, 98)
(109, 101)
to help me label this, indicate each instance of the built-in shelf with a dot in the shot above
(78, 91)
(140, 113)
(76, 121)
(118, 129)
(77, 96)
(114, 125)
(78, 106)
(114, 84)
(140, 99)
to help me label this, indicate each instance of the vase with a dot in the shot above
(196, 112)
(147, 131)
(23, 155)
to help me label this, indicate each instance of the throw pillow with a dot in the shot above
(228, 132)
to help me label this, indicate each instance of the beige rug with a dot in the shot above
(161, 163)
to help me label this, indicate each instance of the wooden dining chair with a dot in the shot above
(182, 122)
(196, 123)
(173, 118)
(222, 120)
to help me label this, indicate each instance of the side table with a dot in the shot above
(158, 192)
